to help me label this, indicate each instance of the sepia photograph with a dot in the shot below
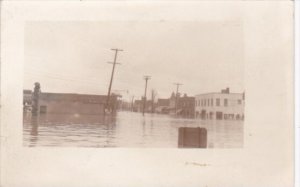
(147, 93)
(134, 84)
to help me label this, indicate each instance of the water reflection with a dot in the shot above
(128, 129)
(34, 131)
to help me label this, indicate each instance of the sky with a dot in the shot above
(71, 57)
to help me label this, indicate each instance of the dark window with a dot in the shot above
(225, 102)
(212, 102)
(239, 101)
(207, 102)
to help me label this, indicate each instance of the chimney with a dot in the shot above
(227, 90)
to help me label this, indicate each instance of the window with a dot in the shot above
(225, 102)
(218, 102)
(207, 102)
(212, 102)
(239, 101)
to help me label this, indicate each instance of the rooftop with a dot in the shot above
(219, 93)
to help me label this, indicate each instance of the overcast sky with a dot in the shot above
(72, 56)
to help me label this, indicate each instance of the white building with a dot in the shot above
(222, 105)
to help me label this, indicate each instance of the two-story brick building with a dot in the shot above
(184, 105)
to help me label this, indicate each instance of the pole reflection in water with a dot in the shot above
(126, 129)
(109, 124)
(34, 130)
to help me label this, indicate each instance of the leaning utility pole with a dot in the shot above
(146, 77)
(177, 87)
(112, 76)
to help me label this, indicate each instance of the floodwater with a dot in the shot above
(126, 129)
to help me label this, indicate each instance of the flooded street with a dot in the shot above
(126, 129)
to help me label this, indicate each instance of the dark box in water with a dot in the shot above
(190, 137)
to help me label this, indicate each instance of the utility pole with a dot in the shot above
(112, 76)
(153, 95)
(132, 99)
(176, 99)
(146, 77)
(35, 99)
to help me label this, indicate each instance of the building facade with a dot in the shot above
(162, 106)
(138, 106)
(69, 103)
(183, 106)
(222, 105)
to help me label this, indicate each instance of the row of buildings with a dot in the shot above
(215, 105)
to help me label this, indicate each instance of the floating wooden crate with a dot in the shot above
(190, 137)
